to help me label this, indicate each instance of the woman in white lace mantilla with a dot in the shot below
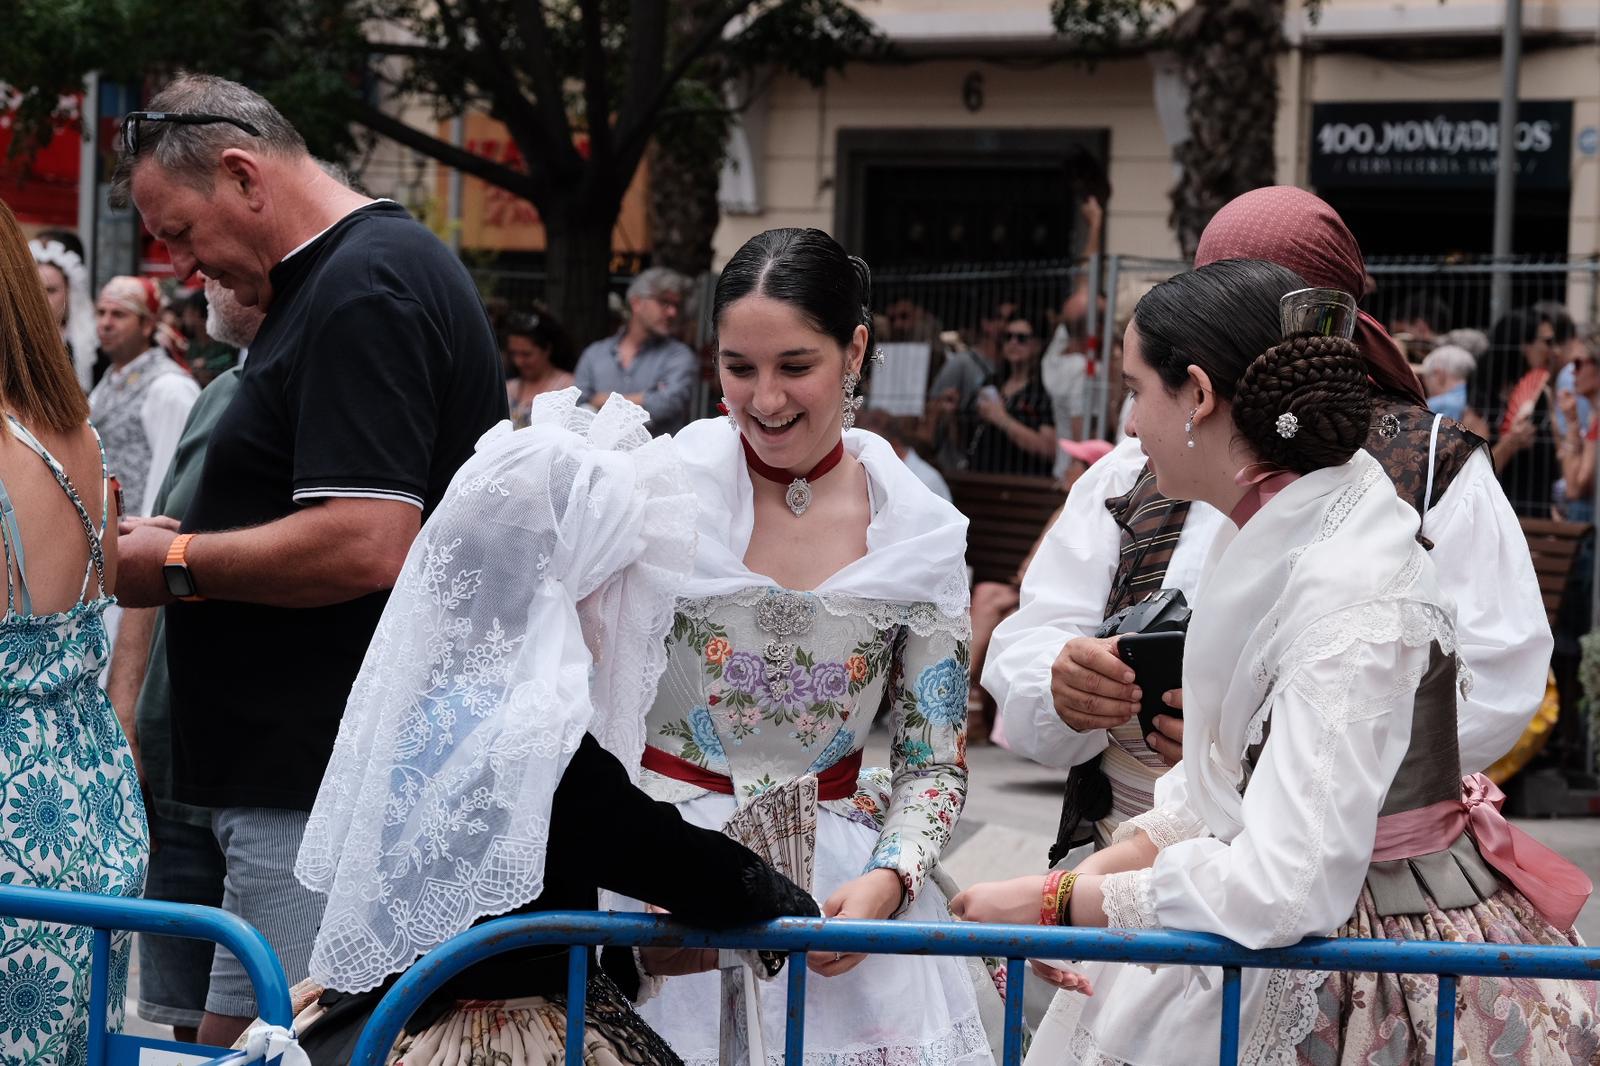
(487, 759)
(829, 583)
(1320, 791)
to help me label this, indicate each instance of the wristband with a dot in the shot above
(1049, 906)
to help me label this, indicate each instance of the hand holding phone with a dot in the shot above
(1157, 662)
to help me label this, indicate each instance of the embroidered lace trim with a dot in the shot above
(1288, 1015)
(1129, 900)
(924, 618)
(1163, 825)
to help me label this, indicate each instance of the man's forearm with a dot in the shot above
(329, 552)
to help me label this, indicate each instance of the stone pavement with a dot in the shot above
(1010, 821)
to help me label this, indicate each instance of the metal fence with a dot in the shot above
(581, 931)
(105, 914)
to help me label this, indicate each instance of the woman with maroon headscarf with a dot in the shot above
(1061, 691)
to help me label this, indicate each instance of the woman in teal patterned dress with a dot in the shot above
(70, 813)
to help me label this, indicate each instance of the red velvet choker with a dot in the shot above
(799, 495)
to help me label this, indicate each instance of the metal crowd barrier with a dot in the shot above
(583, 930)
(106, 913)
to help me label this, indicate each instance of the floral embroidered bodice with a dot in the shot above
(768, 684)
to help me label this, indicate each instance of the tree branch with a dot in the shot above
(494, 173)
(632, 138)
(647, 27)
(526, 121)
(596, 97)
(538, 63)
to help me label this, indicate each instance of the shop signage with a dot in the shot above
(1437, 145)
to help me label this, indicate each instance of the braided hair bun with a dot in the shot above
(1321, 382)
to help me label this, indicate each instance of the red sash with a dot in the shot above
(837, 782)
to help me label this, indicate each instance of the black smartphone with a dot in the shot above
(1157, 661)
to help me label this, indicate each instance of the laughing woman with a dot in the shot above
(828, 582)
(1320, 791)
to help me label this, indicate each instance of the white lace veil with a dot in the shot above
(554, 545)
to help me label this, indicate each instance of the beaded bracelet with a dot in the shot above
(1050, 906)
(1064, 900)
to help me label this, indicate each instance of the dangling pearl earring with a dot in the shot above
(852, 402)
(1188, 427)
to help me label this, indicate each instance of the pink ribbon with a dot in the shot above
(1262, 482)
(1555, 887)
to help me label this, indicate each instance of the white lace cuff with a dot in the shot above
(1128, 900)
(1163, 825)
(649, 983)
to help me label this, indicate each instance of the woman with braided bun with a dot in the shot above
(1320, 791)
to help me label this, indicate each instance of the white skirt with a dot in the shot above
(891, 1010)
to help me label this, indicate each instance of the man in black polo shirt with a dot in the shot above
(371, 378)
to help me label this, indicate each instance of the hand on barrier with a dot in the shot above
(875, 894)
(1091, 687)
(1053, 972)
(675, 962)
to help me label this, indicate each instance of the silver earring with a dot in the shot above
(877, 357)
(728, 408)
(852, 402)
(1188, 427)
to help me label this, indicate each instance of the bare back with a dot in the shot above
(55, 546)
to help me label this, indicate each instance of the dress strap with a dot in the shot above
(11, 544)
(97, 562)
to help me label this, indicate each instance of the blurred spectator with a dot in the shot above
(892, 430)
(1569, 346)
(1509, 404)
(1419, 321)
(186, 865)
(910, 321)
(1016, 433)
(1444, 377)
(59, 257)
(141, 403)
(533, 342)
(1475, 341)
(1081, 455)
(966, 369)
(169, 330)
(1067, 367)
(209, 357)
(1578, 443)
(644, 361)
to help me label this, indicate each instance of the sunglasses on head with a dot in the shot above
(131, 122)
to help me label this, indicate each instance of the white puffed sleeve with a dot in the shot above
(1339, 728)
(1064, 596)
(1482, 558)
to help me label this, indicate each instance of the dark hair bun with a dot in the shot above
(1322, 382)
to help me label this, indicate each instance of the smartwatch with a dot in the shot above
(180, 582)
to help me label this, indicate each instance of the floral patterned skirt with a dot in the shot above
(71, 819)
(1389, 1018)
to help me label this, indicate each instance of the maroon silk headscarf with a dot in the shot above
(1293, 228)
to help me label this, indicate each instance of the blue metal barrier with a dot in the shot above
(106, 913)
(582, 930)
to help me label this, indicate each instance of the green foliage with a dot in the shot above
(1101, 26)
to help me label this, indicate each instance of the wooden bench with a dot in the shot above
(1007, 512)
(1554, 546)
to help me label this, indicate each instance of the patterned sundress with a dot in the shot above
(71, 817)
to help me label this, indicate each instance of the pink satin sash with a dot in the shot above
(1262, 482)
(1556, 888)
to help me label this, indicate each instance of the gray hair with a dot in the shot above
(190, 153)
(1475, 341)
(655, 281)
(1451, 360)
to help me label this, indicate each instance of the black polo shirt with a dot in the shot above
(373, 376)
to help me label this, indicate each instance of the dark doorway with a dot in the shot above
(937, 197)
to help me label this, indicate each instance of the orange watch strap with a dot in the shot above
(178, 555)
